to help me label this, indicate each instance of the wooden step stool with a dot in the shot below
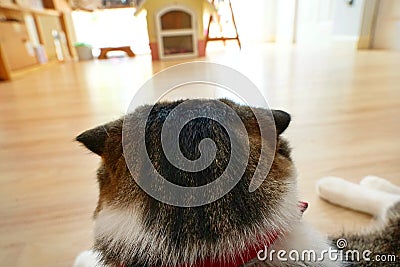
(105, 50)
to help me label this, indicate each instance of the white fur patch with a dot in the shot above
(122, 227)
(305, 238)
(87, 258)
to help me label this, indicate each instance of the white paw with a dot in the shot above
(377, 183)
(355, 196)
(330, 188)
(87, 258)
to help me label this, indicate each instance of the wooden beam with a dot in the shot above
(5, 73)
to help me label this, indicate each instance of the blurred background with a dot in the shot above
(67, 66)
(38, 31)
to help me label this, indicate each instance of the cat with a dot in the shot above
(242, 228)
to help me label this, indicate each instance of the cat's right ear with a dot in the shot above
(282, 120)
(94, 139)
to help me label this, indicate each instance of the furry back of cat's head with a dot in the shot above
(135, 229)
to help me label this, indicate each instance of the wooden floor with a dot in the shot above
(346, 122)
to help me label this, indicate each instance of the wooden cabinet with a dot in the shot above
(28, 24)
(16, 46)
(45, 26)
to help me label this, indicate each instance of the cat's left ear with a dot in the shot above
(94, 139)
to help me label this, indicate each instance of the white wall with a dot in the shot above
(285, 21)
(112, 27)
(256, 19)
(314, 21)
(347, 18)
(265, 20)
(324, 21)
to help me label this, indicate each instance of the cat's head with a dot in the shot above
(135, 229)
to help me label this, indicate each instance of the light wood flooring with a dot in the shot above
(345, 106)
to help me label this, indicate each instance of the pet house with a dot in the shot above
(176, 28)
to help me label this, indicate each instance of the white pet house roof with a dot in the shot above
(207, 6)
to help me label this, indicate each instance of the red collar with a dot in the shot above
(240, 259)
(247, 255)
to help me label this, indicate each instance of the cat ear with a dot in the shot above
(282, 120)
(94, 139)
